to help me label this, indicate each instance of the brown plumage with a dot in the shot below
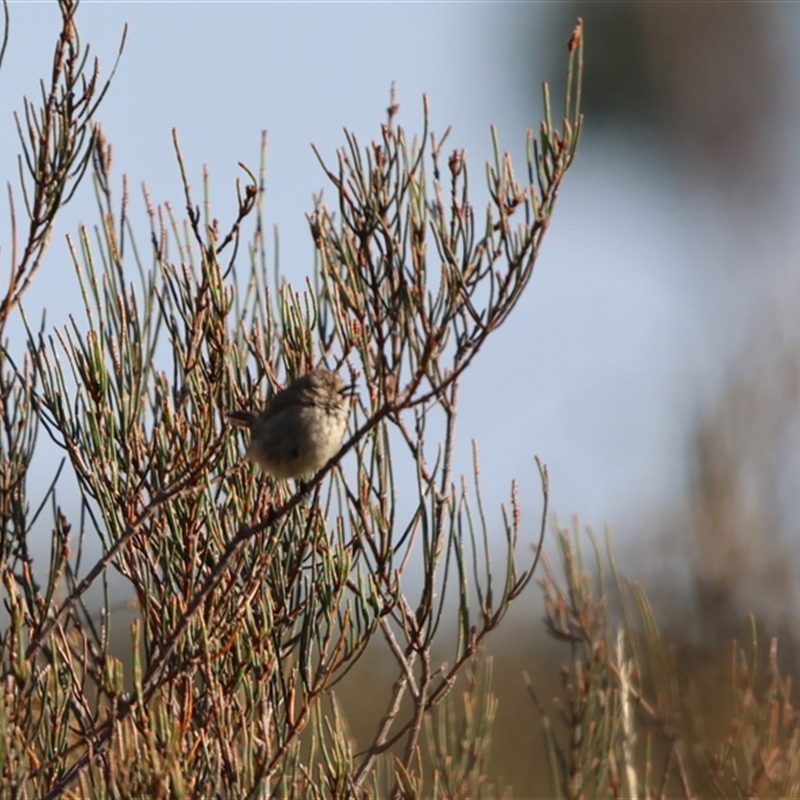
(302, 427)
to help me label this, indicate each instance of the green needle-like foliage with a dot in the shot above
(254, 597)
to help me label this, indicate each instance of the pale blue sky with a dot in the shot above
(598, 369)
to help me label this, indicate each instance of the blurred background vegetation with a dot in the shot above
(710, 92)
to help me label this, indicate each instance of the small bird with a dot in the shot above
(302, 427)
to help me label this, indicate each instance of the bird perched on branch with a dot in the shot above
(302, 428)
